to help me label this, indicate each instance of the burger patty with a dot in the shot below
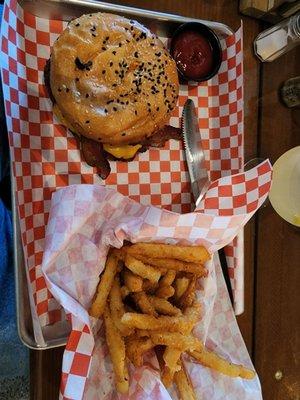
(93, 151)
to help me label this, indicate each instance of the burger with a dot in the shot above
(113, 84)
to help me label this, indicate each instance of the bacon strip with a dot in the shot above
(95, 156)
(159, 138)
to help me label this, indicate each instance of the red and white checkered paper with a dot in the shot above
(45, 156)
(85, 220)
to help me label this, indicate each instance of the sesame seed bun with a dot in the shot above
(112, 80)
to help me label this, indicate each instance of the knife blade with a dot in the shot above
(197, 170)
(194, 152)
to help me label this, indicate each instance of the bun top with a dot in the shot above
(112, 79)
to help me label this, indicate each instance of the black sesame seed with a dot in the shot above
(103, 48)
(107, 37)
(120, 44)
(94, 35)
(109, 101)
(87, 95)
(131, 28)
(78, 24)
(87, 122)
(114, 85)
(67, 90)
(59, 89)
(77, 79)
(124, 134)
(135, 112)
(136, 54)
(152, 44)
(105, 110)
(103, 72)
(111, 64)
(114, 52)
(82, 66)
(115, 108)
(157, 108)
(128, 41)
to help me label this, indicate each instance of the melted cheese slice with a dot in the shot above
(127, 151)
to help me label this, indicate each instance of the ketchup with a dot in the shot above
(193, 54)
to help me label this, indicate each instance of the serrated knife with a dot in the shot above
(194, 152)
(196, 166)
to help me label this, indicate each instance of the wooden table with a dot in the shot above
(270, 323)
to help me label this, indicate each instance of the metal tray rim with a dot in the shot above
(25, 335)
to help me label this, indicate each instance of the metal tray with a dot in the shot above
(160, 23)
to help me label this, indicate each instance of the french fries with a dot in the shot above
(181, 285)
(139, 268)
(103, 289)
(149, 286)
(171, 358)
(168, 278)
(164, 291)
(194, 254)
(163, 306)
(175, 265)
(147, 296)
(188, 297)
(117, 308)
(144, 304)
(116, 348)
(124, 292)
(184, 386)
(213, 361)
(177, 341)
(144, 321)
(134, 283)
(135, 349)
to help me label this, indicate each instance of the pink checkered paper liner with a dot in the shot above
(86, 219)
(45, 156)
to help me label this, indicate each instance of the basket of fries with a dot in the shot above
(143, 289)
(147, 296)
